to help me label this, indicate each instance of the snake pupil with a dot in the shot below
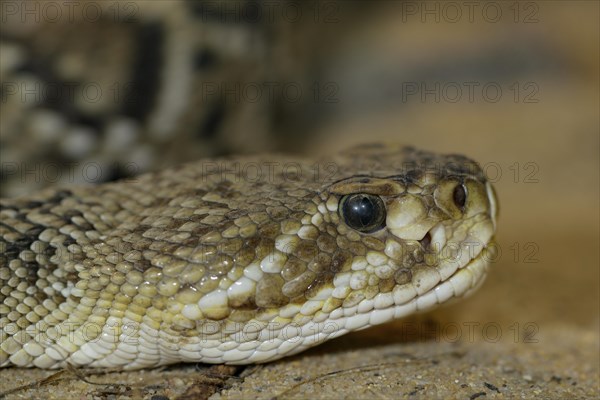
(363, 212)
(459, 195)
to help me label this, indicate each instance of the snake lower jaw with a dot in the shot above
(466, 278)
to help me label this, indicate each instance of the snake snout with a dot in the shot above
(461, 212)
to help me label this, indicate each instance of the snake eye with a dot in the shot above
(459, 195)
(363, 212)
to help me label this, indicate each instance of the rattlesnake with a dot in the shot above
(238, 260)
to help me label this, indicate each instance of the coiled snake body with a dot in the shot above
(237, 260)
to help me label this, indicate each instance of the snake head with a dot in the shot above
(419, 228)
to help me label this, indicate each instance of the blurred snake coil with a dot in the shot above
(238, 260)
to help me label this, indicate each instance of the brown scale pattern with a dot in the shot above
(152, 249)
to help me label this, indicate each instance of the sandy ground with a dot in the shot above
(532, 331)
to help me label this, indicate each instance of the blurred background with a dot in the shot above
(97, 91)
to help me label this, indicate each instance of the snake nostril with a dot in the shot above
(426, 241)
(459, 195)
